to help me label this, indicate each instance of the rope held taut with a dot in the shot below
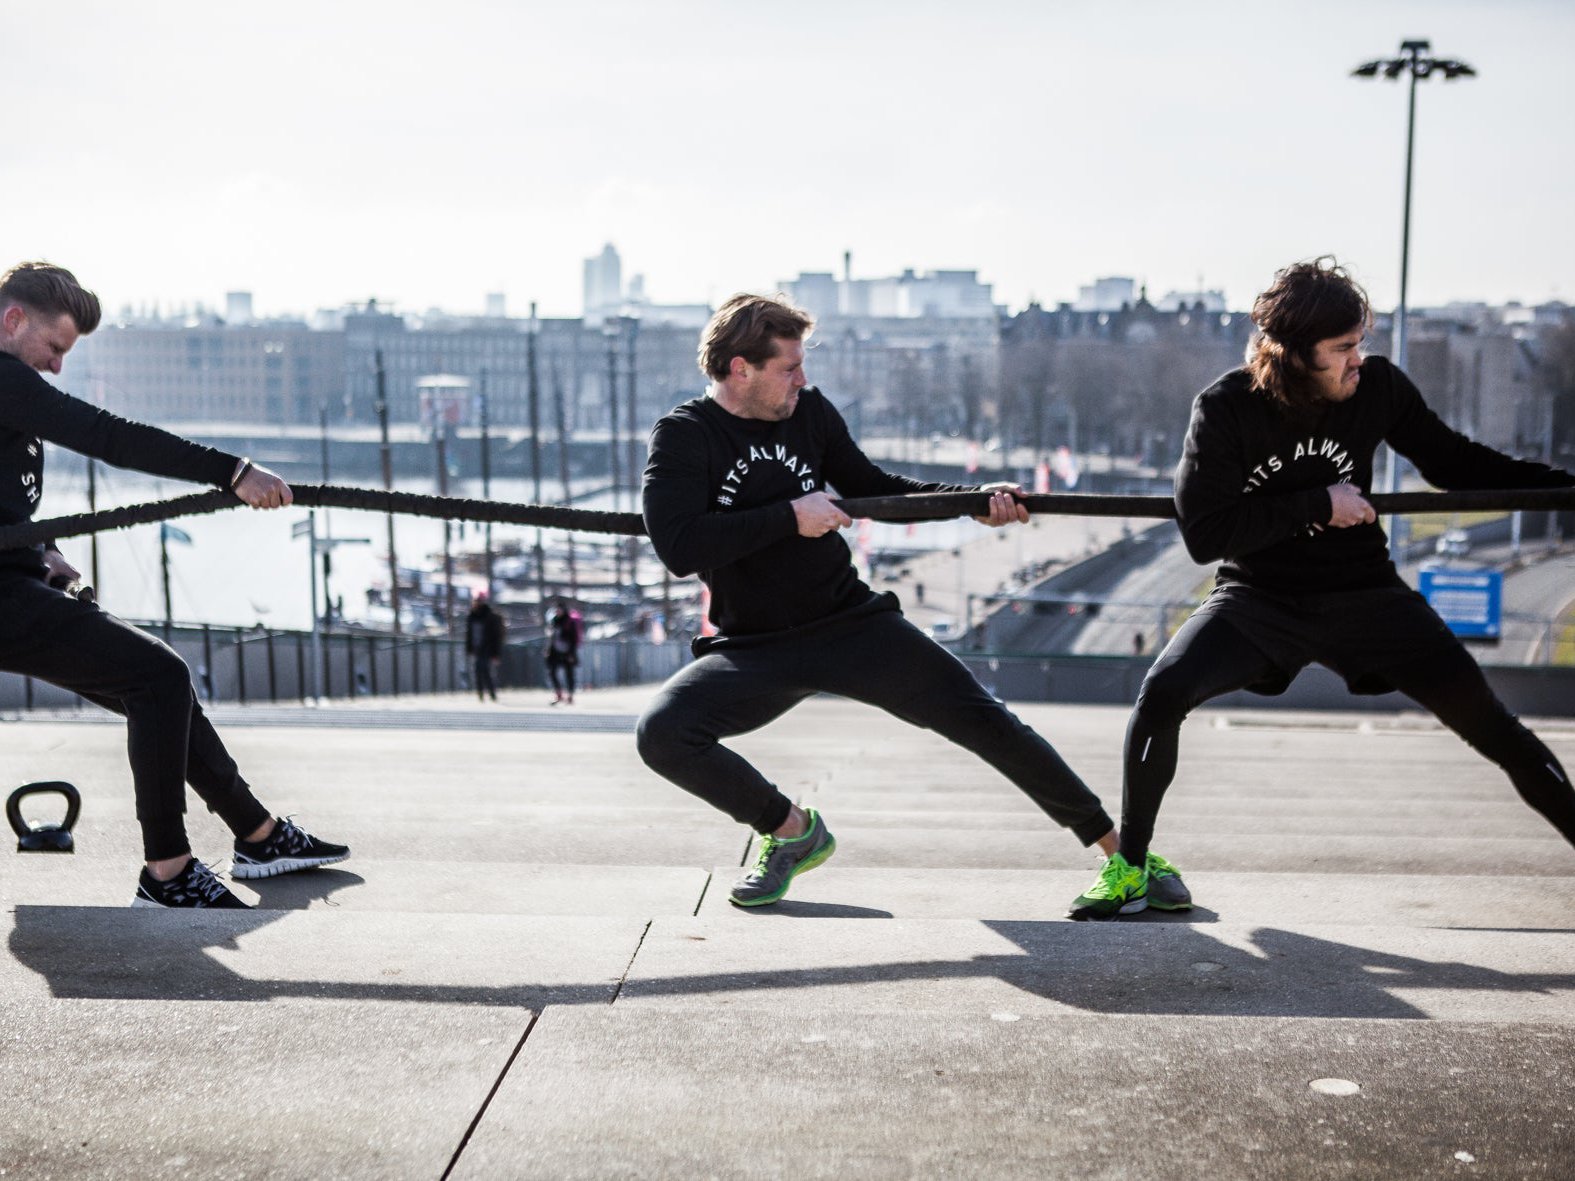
(923, 506)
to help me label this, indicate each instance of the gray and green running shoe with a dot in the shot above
(780, 861)
(1119, 889)
(1166, 890)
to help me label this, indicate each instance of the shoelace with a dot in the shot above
(201, 882)
(768, 846)
(289, 837)
(1114, 880)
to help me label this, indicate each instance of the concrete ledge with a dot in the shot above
(800, 1091)
(208, 1089)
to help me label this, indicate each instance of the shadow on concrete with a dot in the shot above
(787, 908)
(1198, 914)
(1177, 970)
(103, 953)
(297, 891)
(117, 954)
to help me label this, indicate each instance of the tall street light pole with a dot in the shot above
(1415, 63)
(533, 393)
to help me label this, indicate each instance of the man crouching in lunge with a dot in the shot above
(1273, 484)
(735, 490)
(51, 635)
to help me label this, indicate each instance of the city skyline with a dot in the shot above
(429, 162)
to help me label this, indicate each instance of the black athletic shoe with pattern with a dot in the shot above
(285, 850)
(193, 888)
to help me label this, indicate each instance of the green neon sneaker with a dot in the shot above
(1119, 889)
(780, 861)
(1166, 890)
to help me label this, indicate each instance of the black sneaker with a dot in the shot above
(193, 888)
(285, 850)
(780, 861)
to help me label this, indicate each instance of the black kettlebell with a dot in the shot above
(46, 838)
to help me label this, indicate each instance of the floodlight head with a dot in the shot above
(1454, 69)
(1366, 70)
(1395, 67)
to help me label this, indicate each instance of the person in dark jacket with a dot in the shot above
(1273, 484)
(56, 637)
(563, 652)
(736, 491)
(484, 632)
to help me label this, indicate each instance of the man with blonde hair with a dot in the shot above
(54, 636)
(736, 491)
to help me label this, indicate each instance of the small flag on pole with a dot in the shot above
(173, 533)
(1066, 466)
(301, 528)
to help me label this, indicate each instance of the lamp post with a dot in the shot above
(611, 329)
(1413, 62)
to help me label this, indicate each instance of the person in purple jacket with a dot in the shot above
(1273, 484)
(736, 491)
(56, 637)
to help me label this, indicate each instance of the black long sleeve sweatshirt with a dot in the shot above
(1253, 483)
(717, 500)
(33, 412)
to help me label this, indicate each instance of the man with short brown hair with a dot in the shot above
(736, 491)
(50, 634)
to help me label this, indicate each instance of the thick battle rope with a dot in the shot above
(923, 506)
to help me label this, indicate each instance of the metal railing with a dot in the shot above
(235, 664)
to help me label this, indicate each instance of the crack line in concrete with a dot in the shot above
(464, 1140)
(699, 902)
(617, 992)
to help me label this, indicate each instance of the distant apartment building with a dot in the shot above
(1119, 381)
(939, 295)
(1480, 369)
(1110, 294)
(1192, 301)
(590, 366)
(286, 373)
(274, 373)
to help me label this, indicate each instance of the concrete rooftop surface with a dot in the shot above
(529, 967)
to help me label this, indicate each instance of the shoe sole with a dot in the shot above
(244, 871)
(141, 903)
(804, 866)
(1133, 907)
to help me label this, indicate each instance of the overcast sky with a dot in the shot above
(425, 154)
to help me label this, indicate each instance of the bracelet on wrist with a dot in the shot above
(240, 473)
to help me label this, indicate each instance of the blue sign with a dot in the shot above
(1471, 602)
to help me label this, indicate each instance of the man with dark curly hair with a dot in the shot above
(1273, 484)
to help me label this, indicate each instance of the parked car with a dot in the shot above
(1452, 543)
